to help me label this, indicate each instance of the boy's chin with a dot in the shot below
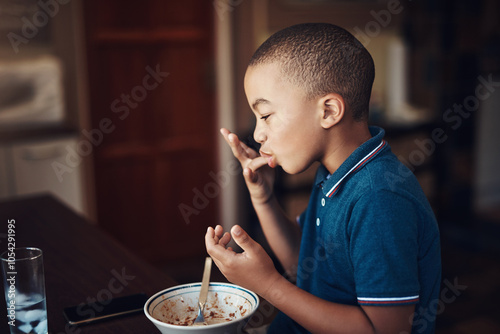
(292, 170)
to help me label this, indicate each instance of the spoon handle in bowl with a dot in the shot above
(205, 282)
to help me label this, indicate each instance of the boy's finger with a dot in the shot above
(240, 150)
(249, 175)
(225, 133)
(219, 231)
(210, 237)
(227, 136)
(257, 163)
(220, 255)
(225, 239)
(237, 145)
(252, 154)
(243, 239)
(216, 251)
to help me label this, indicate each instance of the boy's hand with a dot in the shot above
(252, 269)
(258, 175)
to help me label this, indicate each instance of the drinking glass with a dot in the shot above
(24, 286)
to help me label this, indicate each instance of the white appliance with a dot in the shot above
(34, 167)
(32, 93)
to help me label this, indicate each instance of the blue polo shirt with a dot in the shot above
(369, 237)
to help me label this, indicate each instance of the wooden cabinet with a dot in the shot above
(153, 123)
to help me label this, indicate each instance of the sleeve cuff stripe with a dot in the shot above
(389, 300)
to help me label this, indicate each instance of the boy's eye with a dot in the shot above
(265, 117)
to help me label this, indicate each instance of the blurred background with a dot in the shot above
(114, 107)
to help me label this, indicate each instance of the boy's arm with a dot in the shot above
(254, 270)
(320, 316)
(282, 234)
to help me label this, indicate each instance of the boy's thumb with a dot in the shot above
(242, 238)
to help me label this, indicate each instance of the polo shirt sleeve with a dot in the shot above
(383, 234)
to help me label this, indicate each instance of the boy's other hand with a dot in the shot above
(252, 269)
(258, 175)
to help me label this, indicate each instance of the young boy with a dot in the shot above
(366, 251)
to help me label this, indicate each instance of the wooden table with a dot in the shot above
(81, 262)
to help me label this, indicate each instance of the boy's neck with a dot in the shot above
(344, 139)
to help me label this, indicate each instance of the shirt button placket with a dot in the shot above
(323, 202)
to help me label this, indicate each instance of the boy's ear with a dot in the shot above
(332, 108)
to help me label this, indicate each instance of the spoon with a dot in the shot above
(202, 299)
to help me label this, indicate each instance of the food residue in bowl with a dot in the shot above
(180, 313)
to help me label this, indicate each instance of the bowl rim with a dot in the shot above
(196, 284)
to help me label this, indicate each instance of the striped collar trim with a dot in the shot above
(357, 166)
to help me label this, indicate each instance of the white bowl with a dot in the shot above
(227, 311)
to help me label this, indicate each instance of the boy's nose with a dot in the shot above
(258, 135)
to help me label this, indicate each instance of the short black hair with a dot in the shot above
(322, 58)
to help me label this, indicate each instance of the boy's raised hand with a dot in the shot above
(259, 177)
(252, 269)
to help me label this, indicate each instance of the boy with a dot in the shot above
(366, 251)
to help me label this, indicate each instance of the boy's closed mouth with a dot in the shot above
(265, 155)
(269, 158)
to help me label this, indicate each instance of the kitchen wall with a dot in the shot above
(43, 101)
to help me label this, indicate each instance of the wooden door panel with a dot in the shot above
(151, 14)
(161, 150)
(181, 104)
(144, 215)
(122, 208)
(179, 13)
(179, 233)
(184, 95)
(125, 69)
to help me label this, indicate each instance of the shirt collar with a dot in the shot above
(362, 155)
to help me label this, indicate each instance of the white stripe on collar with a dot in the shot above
(356, 166)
